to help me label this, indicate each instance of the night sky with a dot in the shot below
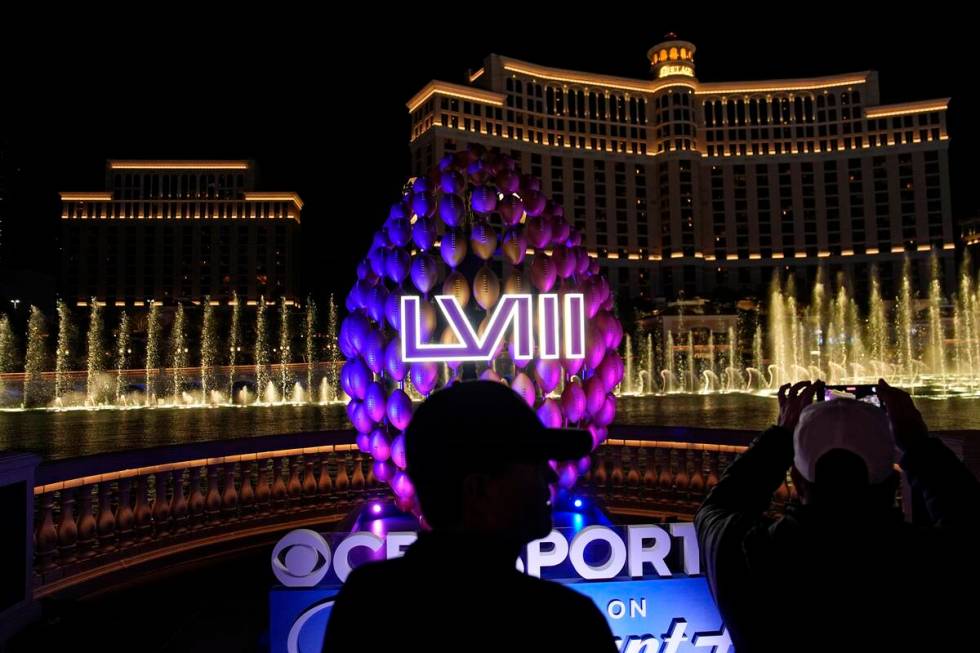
(319, 102)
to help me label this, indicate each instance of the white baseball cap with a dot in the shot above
(855, 426)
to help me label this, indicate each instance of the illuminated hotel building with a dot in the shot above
(684, 185)
(177, 231)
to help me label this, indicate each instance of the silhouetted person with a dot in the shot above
(478, 457)
(843, 571)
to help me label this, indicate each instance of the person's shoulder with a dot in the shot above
(560, 604)
(379, 573)
(381, 568)
(557, 593)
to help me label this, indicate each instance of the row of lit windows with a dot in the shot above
(822, 145)
(672, 54)
(877, 130)
(666, 144)
(780, 109)
(560, 101)
(156, 185)
(177, 210)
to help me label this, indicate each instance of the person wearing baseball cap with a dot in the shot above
(841, 569)
(478, 457)
(850, 443)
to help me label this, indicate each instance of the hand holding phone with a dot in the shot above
(907, 423)
(866, 393)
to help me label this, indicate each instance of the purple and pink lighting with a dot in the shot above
(417, 313)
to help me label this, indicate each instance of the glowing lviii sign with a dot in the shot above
(514, 311)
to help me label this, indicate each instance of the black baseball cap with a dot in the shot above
(472, 424)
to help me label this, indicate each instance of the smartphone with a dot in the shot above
(866, 393)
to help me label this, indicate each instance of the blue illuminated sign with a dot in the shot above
(646, 580)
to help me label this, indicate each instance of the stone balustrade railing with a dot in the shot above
(97, 513)
(92, 513)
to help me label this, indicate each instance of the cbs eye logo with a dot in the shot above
(301, 558)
